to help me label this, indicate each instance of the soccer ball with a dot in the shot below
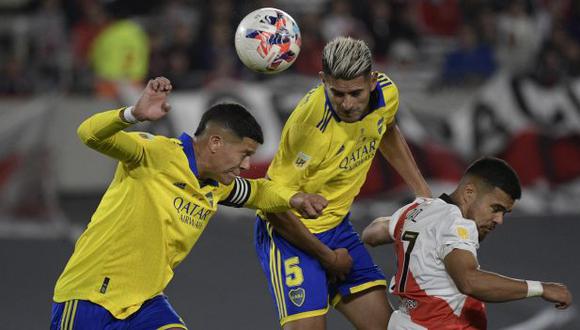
(268, 40)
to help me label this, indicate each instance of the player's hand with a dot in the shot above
(339, 264)
(557, 293)
(310, 206)
(152, 105)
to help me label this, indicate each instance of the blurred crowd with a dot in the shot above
(89, 46)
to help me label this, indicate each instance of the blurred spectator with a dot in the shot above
(439, 17)
(403, 54)
(309, 61)
(391, 22)
(486, 25)
(92, 19)
(192, 41)
(573, 22)
(49, 45)
(217, 52)
(15, 81)
(340, 22)
(518, 38)
(470, 63)
(180, 56)
(120, 53)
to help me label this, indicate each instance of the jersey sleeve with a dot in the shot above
(393, 222)
(458, 234)
(391, 98)
(104, 133)
(301, 149)
(256, 194)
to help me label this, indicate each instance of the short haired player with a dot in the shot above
(436, 239)
(163, 194)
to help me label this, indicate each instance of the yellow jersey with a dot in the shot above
(319, 153)
(149, 218)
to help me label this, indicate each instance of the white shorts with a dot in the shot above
(402, 321)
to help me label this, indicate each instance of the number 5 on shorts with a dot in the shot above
(293, 272)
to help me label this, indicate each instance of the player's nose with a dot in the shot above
(498, 219)
(348, 103)
(245, 165)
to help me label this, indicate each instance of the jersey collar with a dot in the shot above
(447, 199)
(187, 143)
(376, 101)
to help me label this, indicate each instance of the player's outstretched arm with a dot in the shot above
(377, 232)
(152, 104)
(269, 196)
(462, 266)
(336, 262)
(103, 132)
(394, 148)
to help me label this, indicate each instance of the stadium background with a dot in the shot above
(475, 77)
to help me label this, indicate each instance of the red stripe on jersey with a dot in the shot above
(435, 313)
(399, 247)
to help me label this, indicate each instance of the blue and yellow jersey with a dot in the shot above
(149, 218)
(319, 153)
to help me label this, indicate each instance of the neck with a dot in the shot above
(200, 159)
(456, 198)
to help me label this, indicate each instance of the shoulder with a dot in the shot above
(147, 137)
(452, 226)
(152, 142)
(387, 95)
(311, 108)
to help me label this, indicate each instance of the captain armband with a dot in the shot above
(240, 193)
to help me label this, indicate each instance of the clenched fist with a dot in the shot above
(310, 206)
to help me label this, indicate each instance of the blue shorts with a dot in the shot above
(156, 313)
(298, 282)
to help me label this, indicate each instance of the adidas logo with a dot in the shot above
(179, 185)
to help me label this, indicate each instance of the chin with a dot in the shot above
(225, 180)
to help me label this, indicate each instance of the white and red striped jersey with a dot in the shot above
(425, 231)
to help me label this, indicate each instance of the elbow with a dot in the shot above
(85, 135)
(465, 288)
(466, 284)
(368, 238)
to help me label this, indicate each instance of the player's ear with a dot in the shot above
(215, 142)
(322, 76)
(469, 193)
(373, 80)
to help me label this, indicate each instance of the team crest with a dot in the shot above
(146, 136)
(209, 197)
(462, 232)
(380, 125)
(301, 160)
(297, 296)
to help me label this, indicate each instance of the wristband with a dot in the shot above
(535, 288)
(128, 115)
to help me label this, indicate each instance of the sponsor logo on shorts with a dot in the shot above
(297, 296)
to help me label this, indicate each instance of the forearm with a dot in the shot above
(396, 151)
(292, 229)
(103, 133)
(491, 287)
(269, 196)
(377, 233)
